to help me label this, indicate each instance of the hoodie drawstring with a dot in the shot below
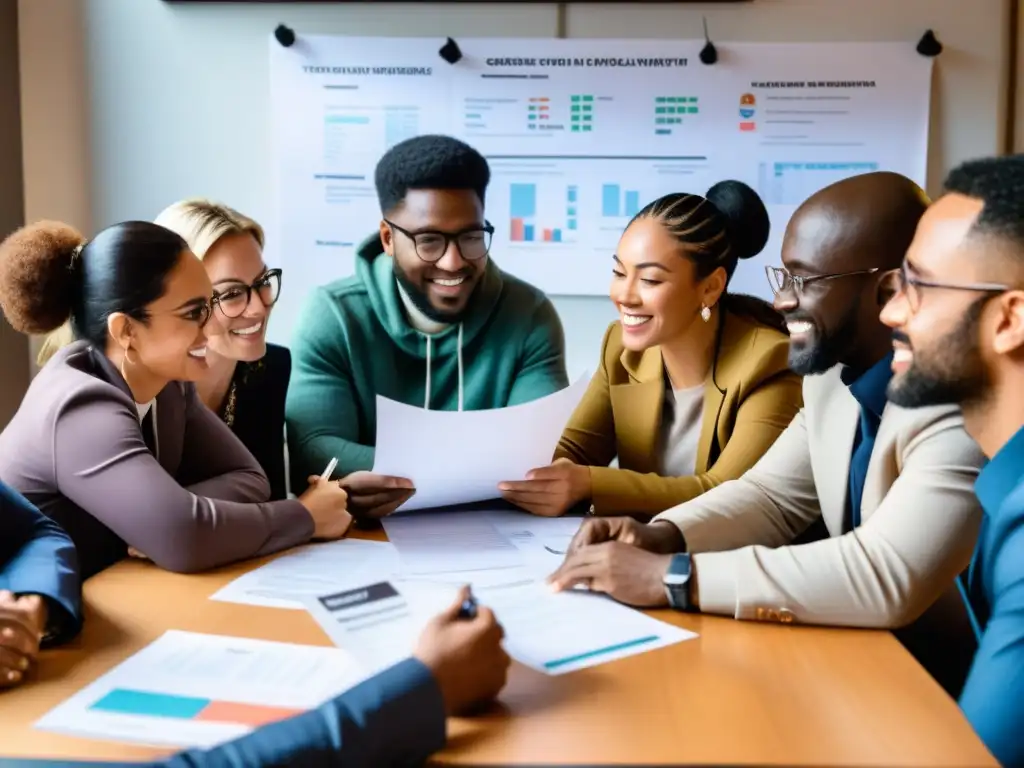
(426, 396)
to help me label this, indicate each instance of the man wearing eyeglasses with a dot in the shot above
(957, 314)
(893, 487)
(428, 319)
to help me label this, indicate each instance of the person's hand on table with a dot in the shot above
(372, 496)
(627, 573)
(22, 621)
(465, 656)
(549, 491)
(327, 503)
(660, 537)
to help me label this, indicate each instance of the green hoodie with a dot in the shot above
(354, 341)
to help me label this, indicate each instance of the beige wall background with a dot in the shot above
(127, 105)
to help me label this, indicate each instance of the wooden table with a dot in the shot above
(743, 693)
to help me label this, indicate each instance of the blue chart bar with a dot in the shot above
(632, 203)
(556, 236)
(572, 194)
(523, 201)
(528, 233)
(610, 200)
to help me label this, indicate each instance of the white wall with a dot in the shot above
(170, 99)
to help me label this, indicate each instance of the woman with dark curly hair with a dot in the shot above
(111, 440)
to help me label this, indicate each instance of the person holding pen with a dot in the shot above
(111, 440)
(397, 717)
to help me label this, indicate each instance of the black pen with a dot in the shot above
(468, 608)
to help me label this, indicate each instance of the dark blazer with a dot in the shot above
(395, 718)
(38, 558)
(182, 490)
(257, 414)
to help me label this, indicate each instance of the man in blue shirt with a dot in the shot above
(395, 718)
(957, 315)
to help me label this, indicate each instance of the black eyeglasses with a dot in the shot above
(901, 281)
(431, 245)
(782, 279)
(234, 299)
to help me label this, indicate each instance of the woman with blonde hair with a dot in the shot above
(247, 378)
(111, 441)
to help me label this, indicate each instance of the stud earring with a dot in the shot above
(705, 312)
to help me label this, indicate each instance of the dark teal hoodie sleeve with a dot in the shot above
(542, 371)
(395, 718)
(322, 411)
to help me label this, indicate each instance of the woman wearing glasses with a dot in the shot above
(247, 379)
(111, 440)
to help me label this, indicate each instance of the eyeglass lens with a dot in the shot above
(233, 301)
(472, 245)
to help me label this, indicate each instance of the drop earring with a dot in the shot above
(705, 312)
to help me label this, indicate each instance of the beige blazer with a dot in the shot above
(919, 518)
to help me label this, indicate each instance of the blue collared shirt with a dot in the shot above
(993, 697)
(868, 389)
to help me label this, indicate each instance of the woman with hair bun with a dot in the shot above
(111, 440)
(693, 384)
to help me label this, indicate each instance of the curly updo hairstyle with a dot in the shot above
(51, 277)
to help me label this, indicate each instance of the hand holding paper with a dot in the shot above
(549, 491)
(457, 457)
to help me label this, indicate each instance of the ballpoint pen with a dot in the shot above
(330, 468)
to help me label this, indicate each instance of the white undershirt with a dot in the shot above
(682, 416)
(143, 409)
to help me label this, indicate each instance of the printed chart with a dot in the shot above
(580, 135)
(189, 689)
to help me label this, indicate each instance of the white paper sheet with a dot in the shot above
(380, 623)
(556, 633)
(189, 689)
(458, 457)
(449, 542)
(309, 571)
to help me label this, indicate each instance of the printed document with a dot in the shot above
(198, 690)
(309, 571)
(458, 457)
(553, 633)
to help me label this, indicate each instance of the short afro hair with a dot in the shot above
(999, 183)
(429, 162)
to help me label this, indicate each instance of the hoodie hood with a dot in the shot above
(376, 271)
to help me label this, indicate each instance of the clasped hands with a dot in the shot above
(22, 621)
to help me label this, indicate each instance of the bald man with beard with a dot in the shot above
(892, 486)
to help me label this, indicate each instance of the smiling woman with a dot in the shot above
(111, 440)
(693, 385)
(247, 380)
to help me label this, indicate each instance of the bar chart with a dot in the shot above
(524, 226)
(618, 203)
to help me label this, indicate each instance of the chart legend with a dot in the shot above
(669, 111)
(582, 112)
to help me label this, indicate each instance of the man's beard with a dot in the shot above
(421, 301)
(822, 350)
(949, 372)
